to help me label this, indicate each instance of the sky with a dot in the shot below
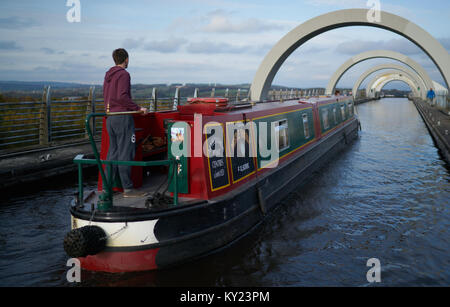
(199, 41)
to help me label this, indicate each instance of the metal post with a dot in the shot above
(238, 95)
(109, 184)
(213, 92)
(175, 188)
(89, 107)
(94, 129)
(80, 185)
(43, 125)
(196, 93)
(176, 98)
(106, 198)
(48, 102)
(447, 100)
(154, 102)
(226, 93)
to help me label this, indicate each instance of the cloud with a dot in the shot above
(220, 22)
(164, 46)
(131, 43)
(173, 45)
(357, 46)
(223, 24)
(349, 3)
(64, 72)
(209, 47)
(48, 50)
(9, 45)
(17, 23)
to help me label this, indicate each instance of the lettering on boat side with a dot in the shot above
(74, 273)
(226, 296)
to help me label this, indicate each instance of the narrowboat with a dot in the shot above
(213, 170)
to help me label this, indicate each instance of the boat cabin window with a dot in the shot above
(305, 125)
(343, 112)
(283, 136)
(326, 124)
(335, 116)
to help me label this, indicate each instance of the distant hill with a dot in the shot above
(10, 86)
(21, 89)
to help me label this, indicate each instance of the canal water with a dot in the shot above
(387, 196)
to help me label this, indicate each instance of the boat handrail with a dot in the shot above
(106, 198)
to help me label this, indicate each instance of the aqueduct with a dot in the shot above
(420, 85)
(378, 82)
(379, 54)
(338, 19)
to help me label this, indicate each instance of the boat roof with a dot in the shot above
(265, 106)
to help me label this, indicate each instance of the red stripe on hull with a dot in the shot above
(114, 262)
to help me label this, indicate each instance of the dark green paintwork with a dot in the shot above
(296, 133)
(332, 123)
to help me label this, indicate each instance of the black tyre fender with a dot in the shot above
(84, 241)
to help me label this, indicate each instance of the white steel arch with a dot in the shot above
(344, 18)
(384, 78)
(420, 86)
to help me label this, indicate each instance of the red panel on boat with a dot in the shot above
(121, 261)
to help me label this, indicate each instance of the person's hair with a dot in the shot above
(119, 56)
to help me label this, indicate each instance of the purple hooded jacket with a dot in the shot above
(117, 91)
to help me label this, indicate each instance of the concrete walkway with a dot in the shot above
(35, 166)
(438, 124)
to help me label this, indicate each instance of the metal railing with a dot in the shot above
(283, 94)
(51, 122)
(106, 198)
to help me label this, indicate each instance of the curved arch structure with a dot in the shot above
(379, 54)
(377, 80)
(384, 78)
(409, 72)
(397, 73)
(383, 83)
(338, 19)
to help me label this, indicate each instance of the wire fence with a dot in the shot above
(51, 122)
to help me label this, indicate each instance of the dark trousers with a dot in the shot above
(122, 146)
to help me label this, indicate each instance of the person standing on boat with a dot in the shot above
(122, 139)
(430, 96)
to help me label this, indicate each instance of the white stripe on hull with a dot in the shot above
(123, 234)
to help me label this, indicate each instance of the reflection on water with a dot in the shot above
(386, 196)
